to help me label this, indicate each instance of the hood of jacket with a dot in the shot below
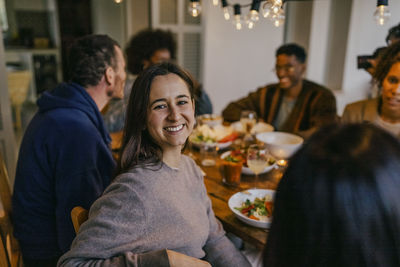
(73, 96)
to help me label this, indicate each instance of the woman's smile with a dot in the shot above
(174, 129)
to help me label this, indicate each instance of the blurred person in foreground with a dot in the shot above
(158, 201)
(384, 111)
(294, 104)
(146, 48)
(338, 203)
(64, 159)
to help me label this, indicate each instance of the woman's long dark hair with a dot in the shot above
(338, 203)
(137, 144)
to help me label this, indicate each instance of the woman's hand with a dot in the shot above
(177, 259)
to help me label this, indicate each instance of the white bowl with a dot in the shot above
(210, 119)
(280, 144)
(260, 127)
(237, 199)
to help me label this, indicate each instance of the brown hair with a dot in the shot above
(137, 144)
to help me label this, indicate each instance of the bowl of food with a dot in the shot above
(253, 207)
(210, 119)
(240, 155)
(259, 127)
(280, 144)
(220, 136)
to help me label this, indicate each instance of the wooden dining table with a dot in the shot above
(220, 193)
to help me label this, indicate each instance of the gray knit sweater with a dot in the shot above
(146, 211)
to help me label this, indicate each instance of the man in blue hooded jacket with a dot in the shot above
(65, 159)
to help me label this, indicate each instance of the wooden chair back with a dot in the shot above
(9, 243)
(78, 215)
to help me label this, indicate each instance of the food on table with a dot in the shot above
(259, 127)
(240, 155)
(232, 172)
(206, 134)
(260, 209)
(210, 119)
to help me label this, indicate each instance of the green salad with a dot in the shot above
(260, 209)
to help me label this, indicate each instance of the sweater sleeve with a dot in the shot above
(324, 111)
(107, 237)
(352, 113)
(150, 259)
(250, 102)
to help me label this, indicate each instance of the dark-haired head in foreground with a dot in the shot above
(338, 203)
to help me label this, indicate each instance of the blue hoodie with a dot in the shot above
(64, 161)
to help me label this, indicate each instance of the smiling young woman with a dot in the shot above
(158, 201)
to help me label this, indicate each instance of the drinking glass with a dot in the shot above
(248, 119)
(208, 154)
(257, 159)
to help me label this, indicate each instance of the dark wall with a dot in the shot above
(75, 21)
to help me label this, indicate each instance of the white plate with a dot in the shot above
(260, 127)
(246, 170)
(219, 145)
(237, 199)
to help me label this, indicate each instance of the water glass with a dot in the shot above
(208, 155)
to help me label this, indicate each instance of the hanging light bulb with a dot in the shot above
(237, 18)
(118, 1)
(279, 18)
(266, 9)
(253, 16)
(271, 7)
(382, 13)
(215, 2)
(194, 8)
(225, 9)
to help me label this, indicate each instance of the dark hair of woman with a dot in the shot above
(389, 57)
(137, 144)
(338, 203)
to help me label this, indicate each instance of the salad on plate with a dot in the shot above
(253, 206)
(218, 135)
(260, 209)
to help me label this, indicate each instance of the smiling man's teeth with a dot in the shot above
(174, 129)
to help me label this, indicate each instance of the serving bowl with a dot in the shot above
(210, 119)
(237, 199)
(281, 145)
(260, 127)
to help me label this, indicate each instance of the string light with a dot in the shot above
(225, 9)
(253, 16)
(382, 13)
(272, 10)
(237, 17)
(194, 8)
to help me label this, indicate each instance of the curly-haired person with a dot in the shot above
(146, 48)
